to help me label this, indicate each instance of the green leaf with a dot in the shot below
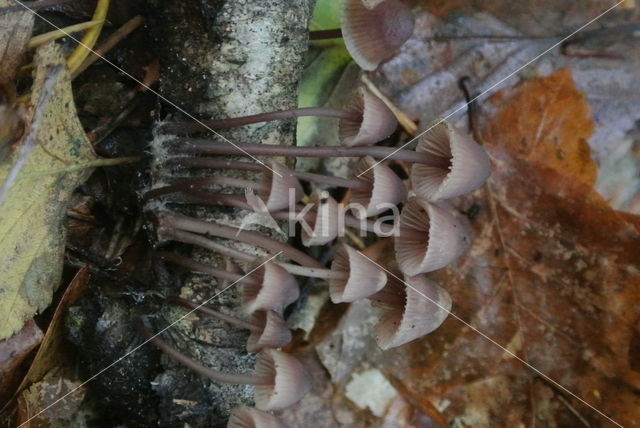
(326, 15)
(32, 213)
(318, 81)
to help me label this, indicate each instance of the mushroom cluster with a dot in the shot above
(444, 163)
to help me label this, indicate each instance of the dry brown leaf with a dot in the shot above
(48, 354)
(546, 120)
(43, 394)
(553, 276)
(13, 352)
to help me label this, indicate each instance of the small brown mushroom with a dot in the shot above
(267, 287)
(290, 381)
(458, 164)
(355, 276)
(249, 417)
(373, 30)
(168, 222)
(280, 379)
(366, 120)
(277, 187)
(324, 219)
(429, 237)
(387, 188)
(267, 328)
(351, 277)
(375, 122)
(262, 295)
(410, 310)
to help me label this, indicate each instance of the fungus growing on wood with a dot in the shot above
(267, 287)
(458, 164)
(374, 30)
(429, 237)
(351, 277)
(267, 328)
(409, 311)
(366, 120)
(249, 417)
(275, 188)
(280, 379)
(387, 189)
(167, 220)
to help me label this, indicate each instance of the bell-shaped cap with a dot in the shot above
(283, 187)
(273, 333)
(323, 222)
(429, 237)
(375, 121)
(288, 382)
(271, 288)
(459, 164)
(374, 30)
(249, 417)
(386, 188)
(354, 276)
(410, 311)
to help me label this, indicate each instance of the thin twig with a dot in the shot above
(127, 28)
(41, 39)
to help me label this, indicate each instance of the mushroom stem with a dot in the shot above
(237, 322)
(214, 163)
(213, 180)
(204, 125)
(234, 378)
(189, 224)
(238, 201)
(201, 267)
(333, 33)
(330, 180)
(192, 238)
(218, 163)
(201, 241)
(200, 146)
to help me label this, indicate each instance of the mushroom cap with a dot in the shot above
(291, 381)
(249, 417)
(274, 334)
(429, 237)
(410, 312)
(326, 225)
(374, 31)
(357, 277)
(283, 186)
(377, 121)
(460, 165)
(386, 188)
(272, 288)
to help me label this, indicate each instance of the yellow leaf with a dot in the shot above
(32, 212)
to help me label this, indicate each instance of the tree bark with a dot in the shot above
(222, 59)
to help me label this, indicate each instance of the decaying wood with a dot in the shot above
(233, 58)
